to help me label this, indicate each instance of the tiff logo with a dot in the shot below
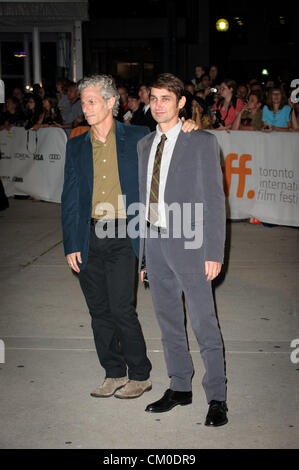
(2, 351)
(241, 170)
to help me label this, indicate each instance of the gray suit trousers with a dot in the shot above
(167, 284)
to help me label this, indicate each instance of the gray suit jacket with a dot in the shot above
(194, 176)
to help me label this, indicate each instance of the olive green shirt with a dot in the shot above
(107, 200)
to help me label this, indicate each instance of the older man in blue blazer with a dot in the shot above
(100, 183)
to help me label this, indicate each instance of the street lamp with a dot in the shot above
(20, 54)
(222, 25)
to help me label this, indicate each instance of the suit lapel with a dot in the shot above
(178, 154)
(88, 161)
(120, 142)
(179, 150)
(120, 153)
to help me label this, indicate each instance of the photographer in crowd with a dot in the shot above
(228, 106)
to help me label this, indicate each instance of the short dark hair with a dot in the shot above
(201, 103)
(72, 84)
(256, 83)
(133, 94)
(143, 84)
(64, 82)
(171, 83)
(204, 75)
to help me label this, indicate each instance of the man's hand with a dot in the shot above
(72, 259)
(142, 274)
(212, 269)
(189, 125)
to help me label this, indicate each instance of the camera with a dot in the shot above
(218, 120)
(213, 90)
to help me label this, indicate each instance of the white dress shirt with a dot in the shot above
(172, 136)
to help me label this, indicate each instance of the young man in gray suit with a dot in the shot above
(181, 173)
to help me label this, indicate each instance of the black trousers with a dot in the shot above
(108, 284)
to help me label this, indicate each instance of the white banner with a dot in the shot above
(261, 171)
(261, 174)
(32, 162)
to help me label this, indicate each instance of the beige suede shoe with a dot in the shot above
(109, 387)
(134, 388)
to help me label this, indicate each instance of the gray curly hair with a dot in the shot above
(107, 88)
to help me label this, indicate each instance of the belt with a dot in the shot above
(105, 222)
(156, 228)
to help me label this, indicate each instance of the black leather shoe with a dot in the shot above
(217, 414)
(169, 400)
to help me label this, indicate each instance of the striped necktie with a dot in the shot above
(154, 193)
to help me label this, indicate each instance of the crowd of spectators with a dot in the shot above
(43, 108)
(212, 101)
(252, 105)
(216, 102)
(220, 103)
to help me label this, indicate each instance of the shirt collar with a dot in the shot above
(172, 133)
(110, 135)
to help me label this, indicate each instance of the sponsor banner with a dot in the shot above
(261, 175)
(6, 161)
(35, 163)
